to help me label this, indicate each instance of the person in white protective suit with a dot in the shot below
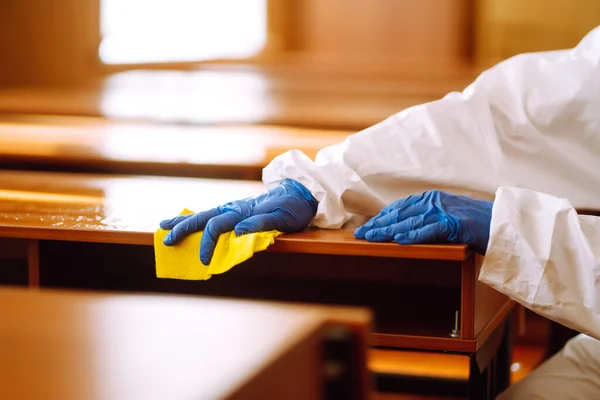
(502, 166)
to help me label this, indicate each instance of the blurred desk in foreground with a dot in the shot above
(293, 97)
(96, 145)
(96, 232)
(77, 345)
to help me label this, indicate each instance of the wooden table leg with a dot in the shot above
(33, 264)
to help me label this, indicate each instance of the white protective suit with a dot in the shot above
(528, 128)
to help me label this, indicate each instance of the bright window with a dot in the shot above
(148, 31)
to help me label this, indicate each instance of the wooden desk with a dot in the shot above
(96, 145)
(96, 232)
(78, 345)
(282, 96)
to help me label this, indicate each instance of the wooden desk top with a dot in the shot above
(122, 209)
(77, 345)
(296, 97)
(100, 145)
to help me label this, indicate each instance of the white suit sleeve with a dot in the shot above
(530, 121)
(544, 255)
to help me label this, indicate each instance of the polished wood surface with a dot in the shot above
(76, 345)
(418, 363)
(106, 146)
(127, 210)
(113, 210)
(294, 96)
(448, 366)
(70, 214)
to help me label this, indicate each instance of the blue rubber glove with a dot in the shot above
(289, 207)
(432, 217)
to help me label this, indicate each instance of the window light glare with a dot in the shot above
(143, 31)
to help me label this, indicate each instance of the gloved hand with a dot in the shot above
(432, 217)
(289, 207)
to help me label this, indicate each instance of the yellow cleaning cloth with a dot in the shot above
(182, 261)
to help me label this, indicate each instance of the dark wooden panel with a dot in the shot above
(409, 297)
(13, 262)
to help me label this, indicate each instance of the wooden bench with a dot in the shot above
(97, 145)
(79, 345)
(96, 232)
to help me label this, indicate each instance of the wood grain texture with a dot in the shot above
(164, 347)
(101, 146)
(127, 210)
